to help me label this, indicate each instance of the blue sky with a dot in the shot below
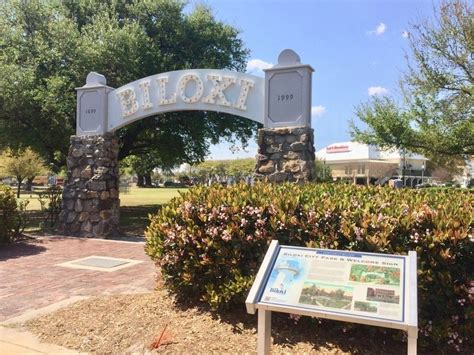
(357, 49)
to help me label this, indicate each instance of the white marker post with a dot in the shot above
(413, 310)
(264, 341)
(377, 289)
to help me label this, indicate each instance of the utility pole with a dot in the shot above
(422, 172)
(404, 157)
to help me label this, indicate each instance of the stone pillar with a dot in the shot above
(285, 154)
(91, 192)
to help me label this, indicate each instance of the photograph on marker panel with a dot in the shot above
(383, 295)
(325, 295)
(375, 274)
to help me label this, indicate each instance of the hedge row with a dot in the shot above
(209, 242)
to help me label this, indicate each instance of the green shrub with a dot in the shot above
(12, 217)
(209, 242)
(51, 204)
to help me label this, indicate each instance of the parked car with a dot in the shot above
(395, 183)
(170, 183)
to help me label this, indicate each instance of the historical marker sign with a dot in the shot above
(357, 284)
(368, 288)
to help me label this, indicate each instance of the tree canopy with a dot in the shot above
(143, 166)
(49, 47)
(436, 116)
(222, 169)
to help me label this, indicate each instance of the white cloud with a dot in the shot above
(377, 90)
(257, 65)
(405, 34)
(379, 30)
(317, 111)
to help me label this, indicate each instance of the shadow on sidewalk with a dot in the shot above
(20, 249)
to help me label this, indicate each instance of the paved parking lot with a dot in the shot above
(31, 277)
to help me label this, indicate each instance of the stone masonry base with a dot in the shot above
(285, 154)
(90, 196)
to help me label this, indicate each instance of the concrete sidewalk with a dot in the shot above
(20, 341)
(15, 341)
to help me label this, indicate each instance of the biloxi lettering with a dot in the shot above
(210, 90)
(280, 291)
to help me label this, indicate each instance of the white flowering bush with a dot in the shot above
(210, 241)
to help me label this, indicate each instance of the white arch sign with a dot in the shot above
(282, 99)
(199, 89)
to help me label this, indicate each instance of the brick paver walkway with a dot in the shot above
(30, 279)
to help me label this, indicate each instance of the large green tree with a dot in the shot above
(48, 47)
(436, 115)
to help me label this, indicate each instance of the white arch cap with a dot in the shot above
(95, 79)
(288, 57)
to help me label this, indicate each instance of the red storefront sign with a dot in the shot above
(338, 149)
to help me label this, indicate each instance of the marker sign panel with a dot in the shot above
(356, 287)
(346, 283)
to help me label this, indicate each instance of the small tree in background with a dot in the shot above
(210, 169)
(323, 171)
(240, 168)
(22, 164)
(223, 169)
(143, 166)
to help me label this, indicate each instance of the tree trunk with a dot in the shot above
(29, 184)
(19, 186)
(140, 180)
(147, 180)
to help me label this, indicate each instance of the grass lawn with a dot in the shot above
(135, 206)
(138, 196)
(138, 203)
(32, 198)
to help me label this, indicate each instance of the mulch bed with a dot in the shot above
(153, 322)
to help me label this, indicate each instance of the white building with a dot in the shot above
(466, 173)
(366, 164)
